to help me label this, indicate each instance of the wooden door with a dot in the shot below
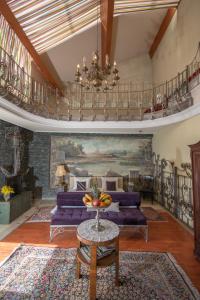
(195, 157)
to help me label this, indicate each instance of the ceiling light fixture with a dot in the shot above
(101, 78)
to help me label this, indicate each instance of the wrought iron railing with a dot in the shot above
(123, 103)
(173, 189)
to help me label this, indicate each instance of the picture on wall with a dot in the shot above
(101, 155)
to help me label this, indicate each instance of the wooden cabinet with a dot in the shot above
(195, 157)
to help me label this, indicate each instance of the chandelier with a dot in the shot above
(97, 76)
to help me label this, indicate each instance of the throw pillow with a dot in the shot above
(82, 179)
(81, 185)
(110, 185)
(53, 210)
(114, 206)
(109, 179)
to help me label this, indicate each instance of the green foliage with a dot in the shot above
(95, 191)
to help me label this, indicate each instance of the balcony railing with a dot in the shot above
(124, 103)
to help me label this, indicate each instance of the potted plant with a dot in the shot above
(6, 191)
(12, 207)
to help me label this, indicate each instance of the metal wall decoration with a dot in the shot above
(127, 102)
(14, 141)
(173, 189)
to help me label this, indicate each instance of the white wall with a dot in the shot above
(177, 49)
(180, 42)
(137, 69)
(171, 142)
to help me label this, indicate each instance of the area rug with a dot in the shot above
(49, 273)
(152, 214)
(43, 214)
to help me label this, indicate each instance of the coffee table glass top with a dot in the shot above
(85, 230)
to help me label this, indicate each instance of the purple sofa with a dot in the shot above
(71, 211)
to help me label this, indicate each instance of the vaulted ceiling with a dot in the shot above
(49, 23)
(132, 36)
(64, 30)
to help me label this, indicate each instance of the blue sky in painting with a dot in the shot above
(105, 144)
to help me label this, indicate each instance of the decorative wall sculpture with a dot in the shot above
(14, 161)
(101, 155)
(173, 189)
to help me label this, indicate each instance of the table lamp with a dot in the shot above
(61, 172)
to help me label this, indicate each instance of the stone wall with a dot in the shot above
(39, 160)
(5, 153)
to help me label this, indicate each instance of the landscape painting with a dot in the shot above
(101, 155)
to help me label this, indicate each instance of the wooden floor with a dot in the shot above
(167, 236)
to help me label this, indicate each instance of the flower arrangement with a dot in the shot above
(6, 190)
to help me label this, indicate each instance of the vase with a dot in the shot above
(6, 197)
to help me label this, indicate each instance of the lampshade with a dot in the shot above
(61, 170)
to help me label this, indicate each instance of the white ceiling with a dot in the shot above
(133, 35)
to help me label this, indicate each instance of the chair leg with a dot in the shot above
(146, 233)
(50, 235)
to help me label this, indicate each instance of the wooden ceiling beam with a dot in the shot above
(106, 16)
(10, 18)
(163, 28)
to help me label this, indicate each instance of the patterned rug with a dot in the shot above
(49, 273)
(44, 214)
(152, 214)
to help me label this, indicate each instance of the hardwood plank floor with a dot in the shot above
(167, 236)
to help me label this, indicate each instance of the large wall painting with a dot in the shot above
(101, 155)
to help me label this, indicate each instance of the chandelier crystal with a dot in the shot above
(97, 76)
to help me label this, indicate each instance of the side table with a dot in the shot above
(89, 237)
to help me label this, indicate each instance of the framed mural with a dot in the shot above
(101, 154)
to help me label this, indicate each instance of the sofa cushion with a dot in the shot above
(126, 198)
(70, 199)
(75, 198)
(74, 216)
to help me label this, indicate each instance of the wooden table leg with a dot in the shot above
(117, 262)
(78, 263)
(93, 272)
(78, 268)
